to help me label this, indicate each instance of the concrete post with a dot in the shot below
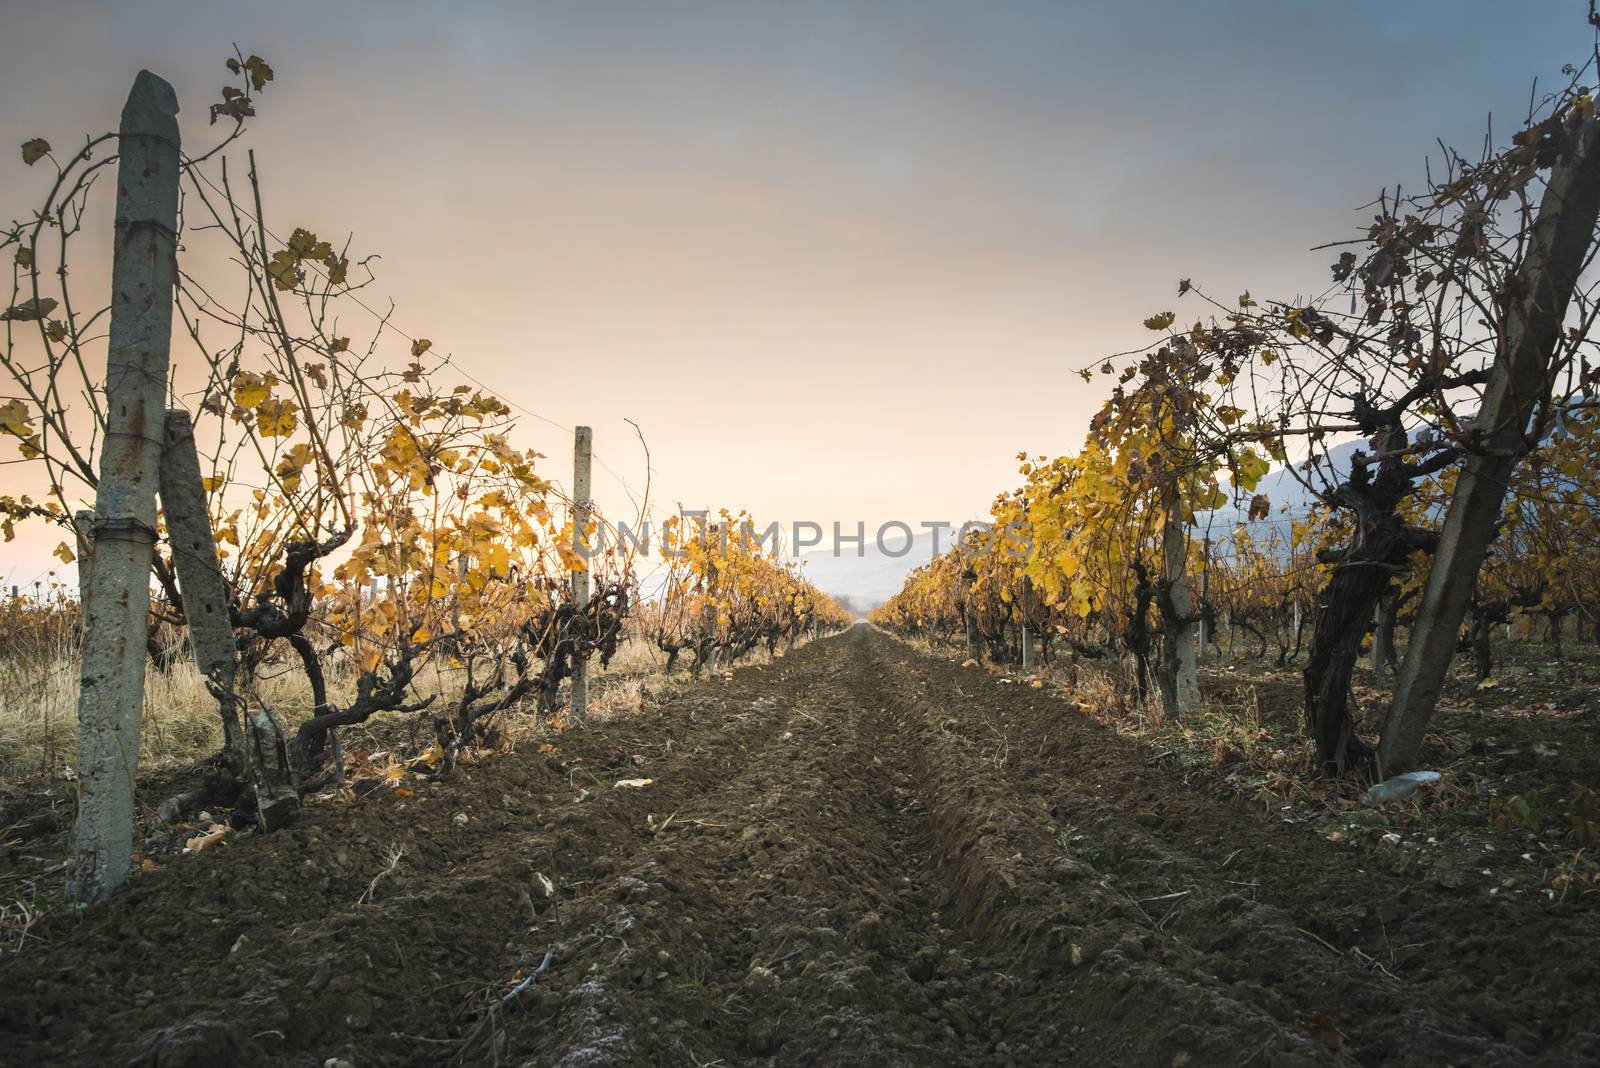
(1559, 246)
(582, 450)
(194, 557)
(117, 606)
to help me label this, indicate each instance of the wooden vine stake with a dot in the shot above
(117, 602)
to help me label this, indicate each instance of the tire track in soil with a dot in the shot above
(256, 953)
(869, 856)
(1202, 889)
(791, 916)
(857, 897)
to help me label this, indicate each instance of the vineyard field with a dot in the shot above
(467, 595)
(860, 853)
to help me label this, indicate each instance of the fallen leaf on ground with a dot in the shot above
(1321, 1025)
(211, 836)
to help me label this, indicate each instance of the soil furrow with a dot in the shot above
(860, 854)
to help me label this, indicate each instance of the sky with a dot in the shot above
(838, 260)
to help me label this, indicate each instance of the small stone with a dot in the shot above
(759, 980)
(870, 932)
(761, 1036)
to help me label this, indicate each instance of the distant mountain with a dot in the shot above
(1287, 497)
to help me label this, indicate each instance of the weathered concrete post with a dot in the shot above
(1027, 639)
(1380, 656)
(582, 451)
(194, 557)
(83, 530)
(969, 620)
(1185, 677)
(708, 614)
(117, 604)
(1558, 248)
(463, 565)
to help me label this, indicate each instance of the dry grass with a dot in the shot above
(635, 656)
(39, 710)
(1228, 733)
(620, 697)
(39, 703)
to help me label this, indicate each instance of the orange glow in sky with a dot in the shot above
(840, 260)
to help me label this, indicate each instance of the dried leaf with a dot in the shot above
(1321, 1025)
(31, 310)
(285, 269)
(14, 418)
(212, 835)
(260, 72)
(234, 104)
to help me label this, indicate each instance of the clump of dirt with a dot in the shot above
(858, 854)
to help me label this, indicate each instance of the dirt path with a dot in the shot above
(859, 855)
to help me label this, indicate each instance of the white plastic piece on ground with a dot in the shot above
(1400, 787)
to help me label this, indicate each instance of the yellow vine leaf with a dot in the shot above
(284, 269)
(29, 311)
(250, 390)
(276, 418)
(14, 418)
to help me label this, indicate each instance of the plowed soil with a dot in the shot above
(858, 855)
